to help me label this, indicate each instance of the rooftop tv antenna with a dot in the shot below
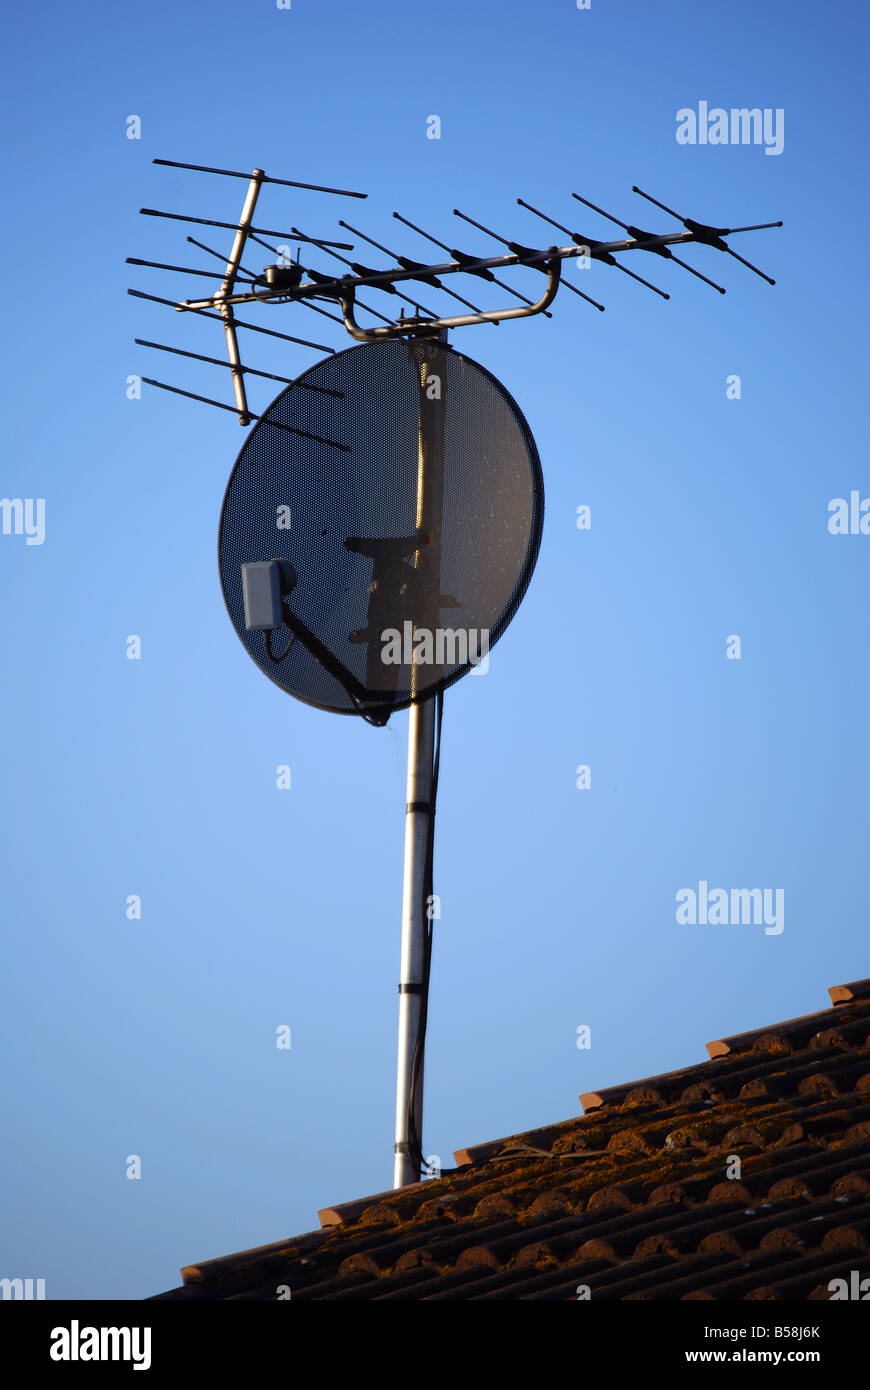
(366, 455)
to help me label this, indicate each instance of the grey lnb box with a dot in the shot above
(261, 586)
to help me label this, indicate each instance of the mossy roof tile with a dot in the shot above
(746, 1176)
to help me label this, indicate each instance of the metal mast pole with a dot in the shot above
(418, 793)
(419, 809)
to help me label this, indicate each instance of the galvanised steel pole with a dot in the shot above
(419, 808)
(418, 795)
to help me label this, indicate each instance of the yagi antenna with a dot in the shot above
(302, 284)
(299, 283)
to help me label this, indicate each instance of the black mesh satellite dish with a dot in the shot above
(399, 487)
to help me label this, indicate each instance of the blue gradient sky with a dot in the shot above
(157, 777)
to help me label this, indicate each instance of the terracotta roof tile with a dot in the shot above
(843, 994)
(638, 1198)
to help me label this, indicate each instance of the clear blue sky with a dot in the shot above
(157, 777)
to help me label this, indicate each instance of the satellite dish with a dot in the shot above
(380, 526)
